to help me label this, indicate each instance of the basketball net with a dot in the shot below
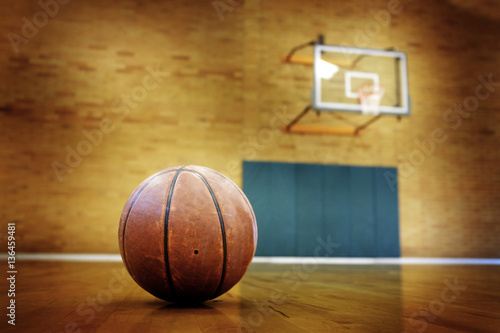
(369, 98)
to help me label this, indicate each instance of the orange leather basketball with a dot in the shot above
(187, 234)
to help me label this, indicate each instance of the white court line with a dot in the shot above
(377, 261)
(275, 260)
(66, 257)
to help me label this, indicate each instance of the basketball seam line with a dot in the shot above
(247, 201)
(165, 233)
(223, 231)
(128, 214)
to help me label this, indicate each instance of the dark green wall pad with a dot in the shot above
(324, 210)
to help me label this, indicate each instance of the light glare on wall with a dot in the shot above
(327, 70)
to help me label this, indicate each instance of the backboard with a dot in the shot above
(341, 73)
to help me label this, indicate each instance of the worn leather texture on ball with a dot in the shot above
(187, 234)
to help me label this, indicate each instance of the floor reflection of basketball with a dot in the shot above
(187, 234)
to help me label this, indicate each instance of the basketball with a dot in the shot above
(187, 234)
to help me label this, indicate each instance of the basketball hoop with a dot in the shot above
(369, 97)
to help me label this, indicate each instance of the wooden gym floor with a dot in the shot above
(56, 296)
